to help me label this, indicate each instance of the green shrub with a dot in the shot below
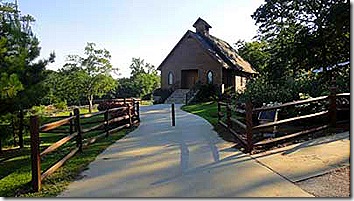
(37, 110)
(259, 91)
(162, 93)
(62, 105)
(206, 93)
(147, 97)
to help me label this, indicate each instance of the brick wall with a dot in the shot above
(189, 55)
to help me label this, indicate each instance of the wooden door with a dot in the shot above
(189, 78)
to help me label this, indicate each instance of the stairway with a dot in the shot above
(178, 96)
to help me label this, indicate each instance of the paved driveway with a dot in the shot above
(188, 160)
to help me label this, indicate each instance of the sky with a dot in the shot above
(148, 29)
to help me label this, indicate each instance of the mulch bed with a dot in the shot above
(335, 183)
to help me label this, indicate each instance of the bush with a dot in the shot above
(147, 97)
(62, 105)
(37, 110)
(162, 93)
(206, 93)
(260, 91)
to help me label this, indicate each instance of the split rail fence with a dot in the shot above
(245, 130)
(113, 120)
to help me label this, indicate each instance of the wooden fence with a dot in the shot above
(125, 117)
(124, 100)
(246, 130)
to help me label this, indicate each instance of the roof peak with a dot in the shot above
(201, 21)
(201, 26)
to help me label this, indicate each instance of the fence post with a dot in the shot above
(249, 126)
(134, 108)
(332, 110)
(78, 129)
(106, 122)
(173, 114)
(125, 101)
(71, 124)
(138, 110)
(35, 154)
(228, 116)
(130, 115)
(20, 131)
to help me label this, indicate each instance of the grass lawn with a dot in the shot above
(146, 102)
(82, 111)
(15, 174)
(207, 110)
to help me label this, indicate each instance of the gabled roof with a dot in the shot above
(201, 21)
(230, 55)
(219, 50)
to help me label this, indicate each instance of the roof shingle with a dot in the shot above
(227, 53)
(219, 50)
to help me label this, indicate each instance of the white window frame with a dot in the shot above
(170, 78)
(212, 77)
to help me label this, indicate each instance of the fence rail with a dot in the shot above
(300, 102)
(56, 124)
(129, 113)
(124, 100)
(246, 131)
(293, 119)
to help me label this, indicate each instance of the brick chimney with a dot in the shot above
(201, 27)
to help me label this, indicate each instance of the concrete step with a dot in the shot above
(178, 96)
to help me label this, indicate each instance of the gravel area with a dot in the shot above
(336, 183)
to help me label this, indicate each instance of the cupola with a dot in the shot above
(201, 26)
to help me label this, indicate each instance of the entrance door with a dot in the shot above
(189, 78)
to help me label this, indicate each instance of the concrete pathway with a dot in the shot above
(188, 160)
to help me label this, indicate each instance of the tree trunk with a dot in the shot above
(90, 99)
(21, 128)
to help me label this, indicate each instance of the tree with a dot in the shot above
(10, 85)
(60, 87)
(300, 36)
(312, 34)
(143, 80)
(137, 66)
(126, 88)
(146, 83)
(20, 71)
(91, 73)
(255, 52)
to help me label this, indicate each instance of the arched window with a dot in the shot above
(170, 78)
(210, 77)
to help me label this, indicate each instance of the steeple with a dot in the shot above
(201, 27)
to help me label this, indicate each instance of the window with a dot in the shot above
(210, 77)
(170, 78)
